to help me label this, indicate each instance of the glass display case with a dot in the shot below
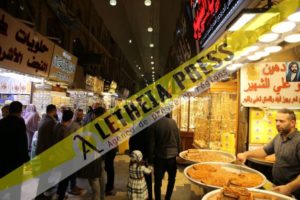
(211, 119)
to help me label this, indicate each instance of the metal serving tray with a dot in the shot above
(212, 194)
(227, 166)
(231, 157)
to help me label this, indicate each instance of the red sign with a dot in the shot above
(203, 12)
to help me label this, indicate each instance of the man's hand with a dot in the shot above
(242, 157)
(283, 189)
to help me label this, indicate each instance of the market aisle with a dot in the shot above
(183, 188)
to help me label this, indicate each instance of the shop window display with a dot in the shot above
(212, 117)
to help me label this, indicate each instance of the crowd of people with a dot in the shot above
(153, 151)
(28, 135)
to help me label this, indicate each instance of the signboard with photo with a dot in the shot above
(275, 84)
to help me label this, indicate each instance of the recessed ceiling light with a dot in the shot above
(152, 62)
(294, 38)
(153, 72)
(151, 45)
(283, 27)
(147, 2)
(295, 17)
(244, 19)
(153, 75)
(152, 68)
(113, 2)
(268, 37)
(262, 53)
(139, 68)
(151, 57)
(130, 41)
(253, 57)
(273, 49)
(137, 65)
(150, 29)
(251, 48)
(142, 75)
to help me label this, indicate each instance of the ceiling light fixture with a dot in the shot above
(293, 38)
(153, 72)
(152, 68)
(113, 2)
(262, 53)
(137, 65)
(283, 27)
(268, 37)
(273, 49)
(149, 29)
(151, 57)
(139, 68)
(251, 48)
(295, 17)
(147, 2)
(253, 57)
(244, 19)
(151, 45)
(152, 62)
(130, 41)
(142, 75)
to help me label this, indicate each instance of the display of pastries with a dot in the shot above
(197, 155)
(216, 175)
(240, 193)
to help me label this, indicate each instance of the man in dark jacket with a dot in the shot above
(45, 129)
(164, 147)
(13, 143)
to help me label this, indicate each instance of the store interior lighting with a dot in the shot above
(273, 49)
(22, 77)
(152, 62)
(262, 53)
(113, 2)
(151, 45)
(293, 38)
(283, 27)
(268, 37)
(147, 2)
(150, 29)
(244, 19)
(295, 17)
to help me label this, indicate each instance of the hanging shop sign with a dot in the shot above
(89, 82)
(98, 85)
(63, 66)
(22, 49)
(207, 15)
(275, 84)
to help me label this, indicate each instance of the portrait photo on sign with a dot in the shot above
(292, 72)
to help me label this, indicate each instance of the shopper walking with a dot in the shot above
(137, 187)
(140, 142)
(164, 147)
(32, 118)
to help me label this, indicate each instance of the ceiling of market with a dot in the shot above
(129, 20)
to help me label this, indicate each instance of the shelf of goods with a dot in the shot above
(42, 98)
(210, 119)
(262, 126)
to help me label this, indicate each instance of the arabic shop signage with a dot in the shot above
(275, 84)
(63, 66)
(22, 49)
(207, 15)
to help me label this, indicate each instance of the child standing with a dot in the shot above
(137, 187)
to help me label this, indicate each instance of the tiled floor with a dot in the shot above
(183, 188)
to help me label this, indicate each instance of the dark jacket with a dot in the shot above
(164, 139)
(45, 138)
(140, 141)
(13, 144)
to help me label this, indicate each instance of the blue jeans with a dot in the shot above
(160, 167)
